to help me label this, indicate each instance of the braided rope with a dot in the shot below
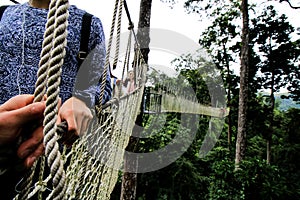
(102, 89)
(118, 34)
(128, 51)
(50, 67)
(50, 137)
(40, 85)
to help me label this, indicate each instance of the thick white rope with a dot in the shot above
(52, 58)
(40, 85)
(50, 136)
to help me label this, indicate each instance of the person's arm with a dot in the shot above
(76, 110)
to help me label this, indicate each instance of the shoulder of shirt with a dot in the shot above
(13, 9)
(74, 10)
(14, 6)
(96, 22)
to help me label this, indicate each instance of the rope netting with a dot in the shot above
(89, 169)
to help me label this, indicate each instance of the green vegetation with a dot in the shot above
(270, 167)
(286, 103)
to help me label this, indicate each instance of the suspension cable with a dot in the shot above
(131, 26)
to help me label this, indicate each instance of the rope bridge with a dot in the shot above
(89, 169)
(160, 101)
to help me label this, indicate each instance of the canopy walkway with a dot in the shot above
(163, 102)
(89, 169)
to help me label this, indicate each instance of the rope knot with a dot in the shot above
(131, 26)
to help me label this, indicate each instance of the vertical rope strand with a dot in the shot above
(50, 137)
(40, 88)
(118, 34)
(40, 85)
(112, 30)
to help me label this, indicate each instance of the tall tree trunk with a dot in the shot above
(143, 33)
(228, 80)
(272, 106)
(271, 129)
(229, 130)
(129, 179)
(243, 95)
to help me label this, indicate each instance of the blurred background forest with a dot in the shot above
(269, 165)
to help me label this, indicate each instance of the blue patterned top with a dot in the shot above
(21, 36)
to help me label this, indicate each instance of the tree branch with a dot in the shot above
(294, 7)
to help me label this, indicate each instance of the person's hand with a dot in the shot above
(17, 113)
(17, 116)
(77, 115)
(32, 148)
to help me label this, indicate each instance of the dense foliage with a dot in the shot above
(274, 63)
